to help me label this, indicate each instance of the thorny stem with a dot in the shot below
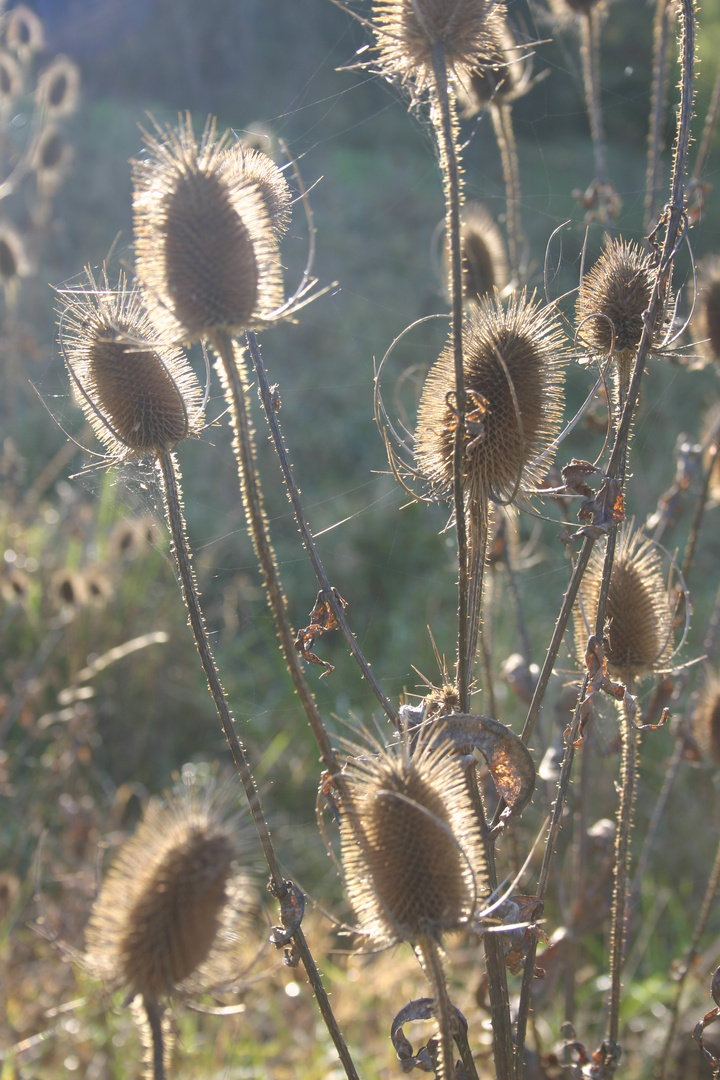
(154, 1019)
(708, 131)
(173, 504)
(243, 445)
(590, 55)
(661, 64)
(478, 532)
(428, 952)
(449, 165)
(502, 122)
(579, 875)
(304, 528)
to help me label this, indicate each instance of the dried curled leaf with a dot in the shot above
(422, 1009)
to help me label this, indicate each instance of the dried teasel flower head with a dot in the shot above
(500, 74)
(706, 316)
(140, 396)
(706, 718)
(407, 32)
(24, 32)
(205, 233)
(10, 80)
(14, 262)
(485, 266)
(411, 849)
(614, 294)
(59, 86)
(513, 366)
(173, 900)
(640, 611)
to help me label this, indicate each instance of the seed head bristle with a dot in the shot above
(639, 612)
(407, 31)
(139, 396)
(484, 261)
(613, 297)
(706, 719)
(411, 849)
(168, 900)
(206, 252)
(706, 316)
(513, 367)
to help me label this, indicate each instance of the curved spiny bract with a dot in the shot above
(639, 612)
(140, 397)
(206, 250)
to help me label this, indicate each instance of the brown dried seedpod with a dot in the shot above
(706, 718)
(257, 170)
(14, 262)
(500, 74)
(407, 31)
(59, 86)
(206, 252)
(139, 396)
(411, 848)
(10, 79)
(168, 904)
(513, 367)
(484, 261)
(639, 614)
(706, 316)
(24, 32)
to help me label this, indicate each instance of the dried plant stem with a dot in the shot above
(661, 66)
(303, 526)
(579, 874)
(154, 1019)
(501, 113)
(708, 132)
(446, 124)
(590, 56)
(671, 774)
(478, 529)
(687, 964)
(628, 774)
(173, 503)
(244, 447)
(428, 952)
(700, 508)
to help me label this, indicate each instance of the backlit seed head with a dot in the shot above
(59, 86)
(10, 79)
(206, 250)
(257, 170)
(613, 296)
(407, 31)
(706, 316)
(513, 366)
(14, 262)
(497, 75)
(639, 613)
(67, 590)
(24, 31)
(170, 899)
(411, 848)
(140, 396)
(706, 719)
(484, 261)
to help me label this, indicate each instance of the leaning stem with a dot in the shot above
(661, 65)
(153, 1012)
(428, 952)
(173, 504)
(443, 117)
(590, 56)
(502, 123)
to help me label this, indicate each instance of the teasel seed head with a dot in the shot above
(14, 263)
(59, 86)
(613, 296)
(496, 75)
(140, 396)
(639, 613)
(407, 31)
(411, 848)
(10, 79)
(484, 260)
(513, 366)
(706, 718)
(24, 32)
(259, 171)
(168, 904)
(205, 234)
(706, 316)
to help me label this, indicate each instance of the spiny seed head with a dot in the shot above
(206, 249)
(706, 719)
(59, 86)
(411, 848)
(484, 261)
(140, 396)
(10, 78)
(497, 75)
(706, 317)
(513, 367)
(13, 258)
(613, 296)
(407, 31)
(639, 613)
(170, 898)
(24, 31)
(257, 170)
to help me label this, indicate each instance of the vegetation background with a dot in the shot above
(82, 749)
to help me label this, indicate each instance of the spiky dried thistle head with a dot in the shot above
(407, 32)
(10, 79)
(206, 218)
(140, 397)
(706, 316)
(513, 366)
(14, 262)
(170, 904)
(706, 718)
(614, 294)
(483, 255)
(59, 86)
(640, 611)
(411, 849)
(24, 31)
(499, 74)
